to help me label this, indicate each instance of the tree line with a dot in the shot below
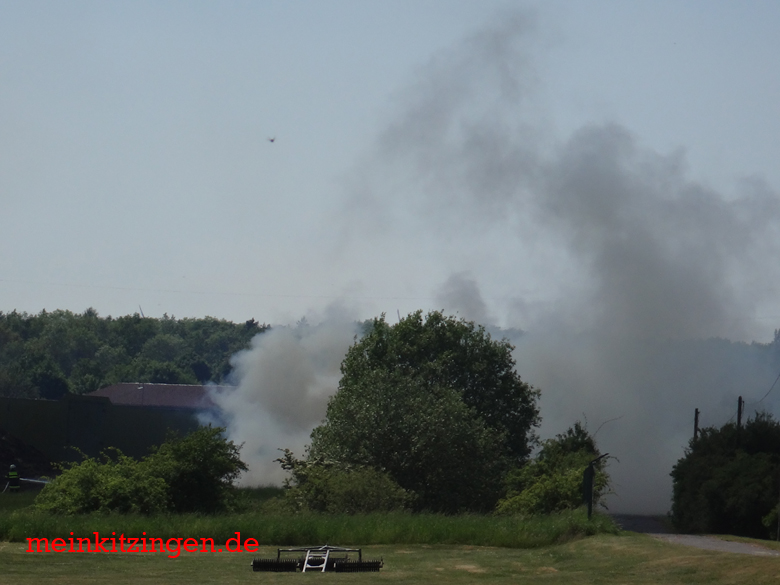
(430, 415)
(52, 353)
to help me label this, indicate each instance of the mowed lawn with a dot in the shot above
(626, 559)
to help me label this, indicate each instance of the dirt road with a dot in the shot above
(656, 527)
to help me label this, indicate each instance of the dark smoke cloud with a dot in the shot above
(656, 265)
(665, 256)
(644, 273)
(460, 295)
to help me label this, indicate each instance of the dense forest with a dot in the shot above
(52, 353)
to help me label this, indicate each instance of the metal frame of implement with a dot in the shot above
(318, 558)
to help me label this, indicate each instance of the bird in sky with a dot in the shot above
(272, 139)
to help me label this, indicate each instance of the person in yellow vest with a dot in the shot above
(13, 480)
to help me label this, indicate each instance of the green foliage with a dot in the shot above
(49, 354)
(251, 500)
(199, 470)
(727, 482)
(191, 474)
(305, 529)
(436, 404)
(553, 481)
(110, 484)
(318, 487)
(447, 352)
(48, 380)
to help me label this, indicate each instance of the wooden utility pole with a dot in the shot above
(696, 426)
(778, 519)
(740, 405)
(587, 483)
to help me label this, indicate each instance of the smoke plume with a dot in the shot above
(283, 383)
(460, 295)
(642, 273)
(627, 277)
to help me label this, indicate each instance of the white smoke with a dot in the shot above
(282, 386)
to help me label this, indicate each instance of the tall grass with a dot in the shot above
(300, 530)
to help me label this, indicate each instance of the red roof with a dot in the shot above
(170, 395)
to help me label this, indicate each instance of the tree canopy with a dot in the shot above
(728, 480)
(52, 353)
(437, 404)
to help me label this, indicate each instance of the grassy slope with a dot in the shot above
(631, 559)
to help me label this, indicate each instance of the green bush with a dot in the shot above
(190, 474)
(552, 491)
(199, 469)
(552, 482)
(727, 482)
(319, 487)
(120, 484)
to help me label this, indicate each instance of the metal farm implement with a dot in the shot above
(317, 558)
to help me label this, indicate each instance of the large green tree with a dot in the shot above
(437, 404)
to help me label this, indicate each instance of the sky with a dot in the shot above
(600, 174)
(135, 168)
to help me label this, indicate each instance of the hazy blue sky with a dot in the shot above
(135, 166)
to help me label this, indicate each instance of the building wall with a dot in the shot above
(91, 424)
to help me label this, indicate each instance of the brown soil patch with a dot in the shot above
(471, 568)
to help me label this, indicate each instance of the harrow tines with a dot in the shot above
(348, 566)
(276, 565)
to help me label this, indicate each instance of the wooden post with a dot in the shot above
(587, 483)
(740, 404)
(778, 520)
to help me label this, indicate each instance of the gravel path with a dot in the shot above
(712, 543)
(655, 527)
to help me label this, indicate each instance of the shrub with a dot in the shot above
(552, 482)
(319, 487)
(191, 474)
(118, 484)
(727, 482)
(199, 470)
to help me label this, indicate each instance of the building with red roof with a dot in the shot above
(191, 396)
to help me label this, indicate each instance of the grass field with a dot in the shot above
(299, 530)
(548, 550)
(18, 521)
(625, 559)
